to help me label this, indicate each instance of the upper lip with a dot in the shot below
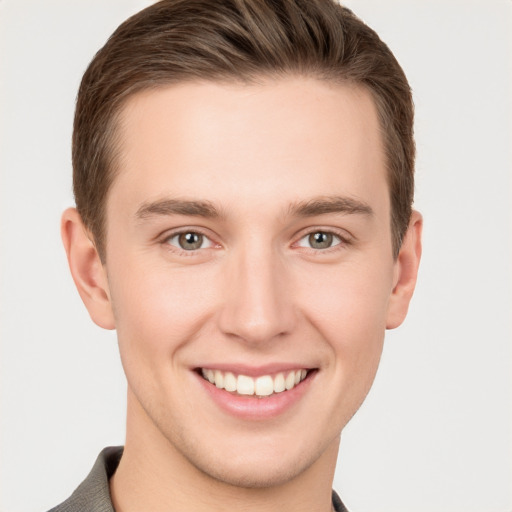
(255, 371)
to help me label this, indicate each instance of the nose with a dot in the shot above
(258, 304)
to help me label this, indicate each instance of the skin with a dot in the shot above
(256, 293)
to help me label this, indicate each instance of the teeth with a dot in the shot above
(265, 385)
(245, 385)
(219, 379)
(289, 382)
(279, 384)
(230, 383)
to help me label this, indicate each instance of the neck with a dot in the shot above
(154, 475)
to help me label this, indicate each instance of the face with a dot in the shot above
(250, 270)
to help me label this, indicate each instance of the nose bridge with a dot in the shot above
(257, 307)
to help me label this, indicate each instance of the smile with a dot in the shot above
(264, 385)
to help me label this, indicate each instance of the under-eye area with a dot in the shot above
(262, 386)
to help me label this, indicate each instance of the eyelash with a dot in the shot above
(343, 241)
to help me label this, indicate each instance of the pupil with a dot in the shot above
(190, 241)
(320, 240)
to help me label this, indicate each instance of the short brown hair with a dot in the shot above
(239, 40)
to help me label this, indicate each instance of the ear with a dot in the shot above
(89, 274)
(406, 272)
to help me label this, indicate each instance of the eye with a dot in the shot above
(319, 240)
(189, 241)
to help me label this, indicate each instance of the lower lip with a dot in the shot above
(253, 407)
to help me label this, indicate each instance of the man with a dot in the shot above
(243, 175)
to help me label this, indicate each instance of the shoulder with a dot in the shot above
(93, 493)
(337, 504)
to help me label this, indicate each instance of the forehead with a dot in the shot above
(276, 141)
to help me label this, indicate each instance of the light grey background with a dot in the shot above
(435, 434)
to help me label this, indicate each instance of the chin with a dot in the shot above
(266, 465)
(250, 474)
(251, 479)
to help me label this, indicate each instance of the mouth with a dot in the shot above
(261, 386)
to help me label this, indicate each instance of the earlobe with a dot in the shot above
(88, 272)
(406, 272)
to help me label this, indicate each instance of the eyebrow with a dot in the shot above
(178, 207)
(310, 208)
(330, 204)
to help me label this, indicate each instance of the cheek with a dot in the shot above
(350, 312)
(349, 299)
(157, 310)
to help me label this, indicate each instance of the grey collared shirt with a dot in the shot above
(93, 494)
